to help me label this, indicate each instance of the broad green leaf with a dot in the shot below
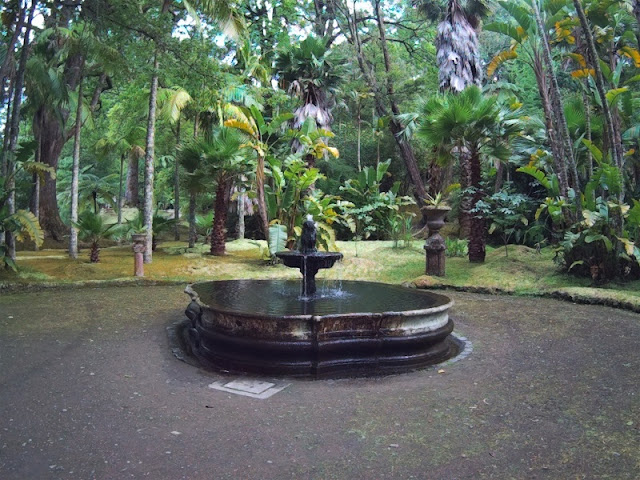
(277, 238)
(595, 151)
(613, 95)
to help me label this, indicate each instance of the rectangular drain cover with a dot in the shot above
(249, 387)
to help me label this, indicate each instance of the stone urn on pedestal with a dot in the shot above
(434, 245)
(139, 246)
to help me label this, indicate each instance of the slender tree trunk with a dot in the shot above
(218, 233)
(616, 149)
(132, 193)
(406, 152)
(262, 204)
(10, 240)
(557, 151)
(499, 177)
(193, 234)
(359, 136)
(176, 188)
(192, 219)
(241, 225)
(7, 69)
(558, 107)
(75, 172)
(405, 148)
(587, 119)
(149, 168)
(120, 189)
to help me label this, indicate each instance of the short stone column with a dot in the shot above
(139, 247)
(434, 245)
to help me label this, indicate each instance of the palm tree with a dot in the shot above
(459, 66)
(91, 228)
(307, 71)
(457, 47)
(472, 124)
(218, 158)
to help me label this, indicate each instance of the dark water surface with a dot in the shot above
(282, 297)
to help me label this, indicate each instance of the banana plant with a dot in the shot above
(263, 136)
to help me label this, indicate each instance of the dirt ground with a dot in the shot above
(89, 389)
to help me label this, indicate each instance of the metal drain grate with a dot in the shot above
(250, 387)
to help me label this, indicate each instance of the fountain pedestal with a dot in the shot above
(309, 264)
(308, 259)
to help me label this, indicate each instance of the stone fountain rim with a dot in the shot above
(443, 307)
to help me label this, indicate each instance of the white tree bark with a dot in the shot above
(75, 173)
(149, 169)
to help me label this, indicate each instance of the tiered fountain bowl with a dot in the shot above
(348, 328)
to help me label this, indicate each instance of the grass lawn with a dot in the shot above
(524, 271)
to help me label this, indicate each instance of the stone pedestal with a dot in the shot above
(435, 246)
(139, 247)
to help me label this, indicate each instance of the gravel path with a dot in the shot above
(89, 389)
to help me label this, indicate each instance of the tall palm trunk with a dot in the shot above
(467, 200)
(149, 168)
(459, 66)
(176, 188)
(75, 172)
(218, 233)
(477, 234)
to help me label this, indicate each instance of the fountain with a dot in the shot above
(274, 327)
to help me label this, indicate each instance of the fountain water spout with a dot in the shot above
(308, 259)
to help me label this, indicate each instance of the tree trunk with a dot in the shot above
(262, 204)
(8, 68)
(10, 240)
(94, 254)
(132, 193)
(359, 120)
(406, 152)
(49, 129)
(120, 199)
(176, 188)
(241, 226)
(218, 233)
(616, 149)
(467, 200)
(75, 172)
(556, 146)
(405, 148)
(149, 168)
(192, 220)
(478, 225)
(558, 109)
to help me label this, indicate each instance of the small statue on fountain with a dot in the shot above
(308, 237)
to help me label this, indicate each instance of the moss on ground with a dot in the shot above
(524, 271)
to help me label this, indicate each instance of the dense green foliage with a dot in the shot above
(306, 108)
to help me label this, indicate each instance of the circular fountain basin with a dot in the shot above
(348, 329)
